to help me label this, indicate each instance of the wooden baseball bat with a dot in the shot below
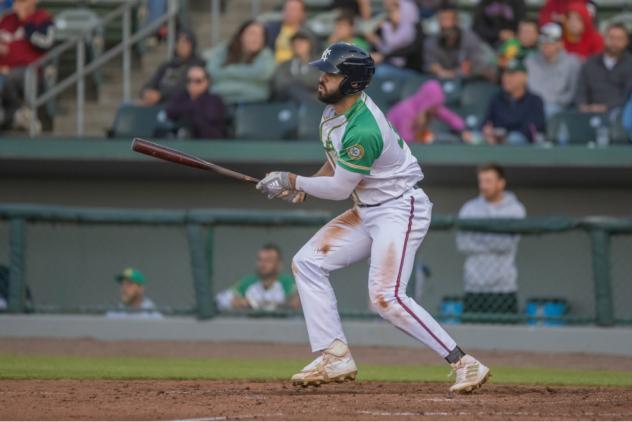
(169, 154)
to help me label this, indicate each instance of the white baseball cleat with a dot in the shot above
(470, 375)
(335, 364)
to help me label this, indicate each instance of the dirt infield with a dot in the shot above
(230, 400)
(222, 400)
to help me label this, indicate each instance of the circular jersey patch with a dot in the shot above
(355, 152)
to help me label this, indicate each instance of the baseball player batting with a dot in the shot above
(369, 161)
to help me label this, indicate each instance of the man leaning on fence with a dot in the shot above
(490, 274)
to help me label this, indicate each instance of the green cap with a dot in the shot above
(131, 274)
(515, 65)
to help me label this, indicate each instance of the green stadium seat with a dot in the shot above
(309, 115)
(386, 91)
(134, 121)
(412, 84)
(266, 121)
(451, 87)
(478, 93)
(576, 127)
(472, 115)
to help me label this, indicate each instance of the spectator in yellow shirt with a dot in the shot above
(280, 33)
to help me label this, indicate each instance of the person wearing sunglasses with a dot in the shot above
(196, 110)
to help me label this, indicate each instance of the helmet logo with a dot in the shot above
(326, 54)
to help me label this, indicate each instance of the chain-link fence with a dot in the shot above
(543, 279)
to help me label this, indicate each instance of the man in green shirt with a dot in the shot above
(267, 290)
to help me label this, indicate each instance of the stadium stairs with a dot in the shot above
(100, 114)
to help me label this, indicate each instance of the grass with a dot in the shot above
(65, 367)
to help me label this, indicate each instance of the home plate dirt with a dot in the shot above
(228, 400)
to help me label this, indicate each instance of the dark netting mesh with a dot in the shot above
(499, 278)
(621, 277)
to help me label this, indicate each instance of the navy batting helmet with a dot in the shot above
(355, 64)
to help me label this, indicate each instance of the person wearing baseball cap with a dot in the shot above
(133, 303)
(514, 115)
(553, 73)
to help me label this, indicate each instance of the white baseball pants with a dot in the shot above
(390, 235)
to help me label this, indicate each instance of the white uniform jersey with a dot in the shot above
(362, 140)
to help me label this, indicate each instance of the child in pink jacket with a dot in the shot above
(411, 116)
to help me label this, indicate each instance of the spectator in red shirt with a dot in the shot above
(25, 35)
(556, 10)
(580, 35)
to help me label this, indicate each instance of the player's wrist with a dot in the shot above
(292, 180)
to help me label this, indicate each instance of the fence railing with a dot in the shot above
(199, 226)
(78, 43)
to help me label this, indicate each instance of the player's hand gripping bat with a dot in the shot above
(169, 154)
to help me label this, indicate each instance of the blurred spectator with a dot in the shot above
(412, 116)
(5, 5)
(133, 303)
(626, 119)
(170, 77)
(606, 78)
(26, 33)
(196, 110)
(266, 290)
(515, 115)
(428, 8)
(520, 47)
(295, 79)
(242, 70)
(454, 51)
(279, 33)
(556, 10)
(553, 73)
(496, 21)
(4, 287)
(580, 35)
(344, 31)
(490, 274)
(4, 291)
(155, 10)
(361, 8)
(397, 36)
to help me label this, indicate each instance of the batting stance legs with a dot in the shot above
(390, 234)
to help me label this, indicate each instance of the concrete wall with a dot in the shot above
(611, 341)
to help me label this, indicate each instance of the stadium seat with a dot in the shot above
(132, 121)
(309, 115)
(451, 87)
(442, 133)
(266, 121)
(618, 135)
(574, 127)
(478, 93)
(472, 115)
(412, 84)
(385, 91)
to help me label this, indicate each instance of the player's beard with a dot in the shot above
(333, 98)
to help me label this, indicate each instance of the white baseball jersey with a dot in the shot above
(363, 141)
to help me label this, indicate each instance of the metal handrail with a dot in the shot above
(83, 69)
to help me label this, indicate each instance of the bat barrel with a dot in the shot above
(162, 152)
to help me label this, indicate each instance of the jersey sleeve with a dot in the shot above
(289, 287)
(360, 149)
(241, 287)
